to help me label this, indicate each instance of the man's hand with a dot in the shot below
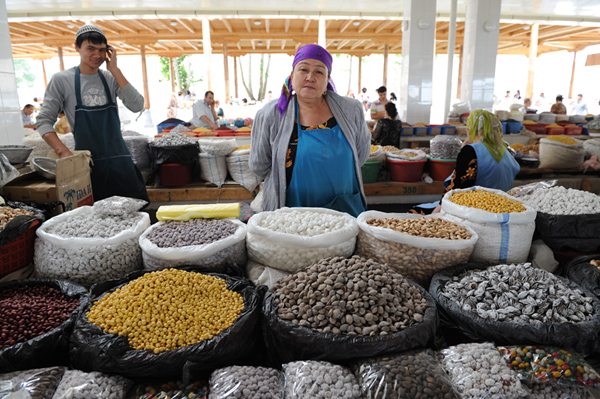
(111, 58)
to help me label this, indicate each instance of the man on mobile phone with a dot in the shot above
(88, 95)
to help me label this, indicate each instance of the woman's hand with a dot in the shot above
(437, 209)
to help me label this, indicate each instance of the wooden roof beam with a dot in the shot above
(397, 29)
(511, 28)
(27, 30)
(345, 25)
(267, 25)
(123, 25)
(383, 26)
(177, 44)
(227, 25)
(358, 43)
(168, 26)
(364, 26)
(106, 28)
(561, 32)
(247, 23)
(253, 44)
(306, 25)
(283, 44)
(286, 25)
(60, 28)
(186, 25)
(192, 45)
(146, 25)
(342, 44)
(268, 44)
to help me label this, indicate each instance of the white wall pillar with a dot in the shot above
(418, 44)
(11, 124)
(482, 22)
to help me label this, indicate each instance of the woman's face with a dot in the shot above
(309, 79)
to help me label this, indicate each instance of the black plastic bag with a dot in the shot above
(18, 225)
(579, 233)
(51, 348)
(390, 132)
(292, 342)
(188, 155)
(94, 350)
(583, 273)
(581, 337)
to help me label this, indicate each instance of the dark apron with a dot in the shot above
(324, 174)
(98, 130)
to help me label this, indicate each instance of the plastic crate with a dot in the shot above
(573, 130)
(159, 128)
(18, 253)
(538, 128)
(407, 131)
(239, 123)
(513, 127)
(434, 130)
(450, 130)
(421, 131)
(555, 130)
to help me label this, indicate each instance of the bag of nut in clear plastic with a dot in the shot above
(34, 383)
(246, 382)
(407, 375)
(77, 384)
(312, 379)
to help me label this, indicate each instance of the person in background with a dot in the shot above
(88, 96)
(484, 159)
(558, 107)
(541, 101)
(188, 95)
(527, 105)
(378, 107)
(204, 113)
(219, 110)
(507, 94)
(517, 95)
(393, 97)
(367, 109)
(363, 96)
(350, 93)
(62, 125)
(580, 107)
(310, 145)
(269, 95)
(172, 107)
(388, 129)
(26, 116)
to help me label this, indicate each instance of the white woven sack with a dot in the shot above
(503, 237)
(291, 252)
(386, 234)
(216, 254)
(213, 168)
(240, 171)
(221, 147)
(377, 155)
(87, 260)
(264, 275)
(592, 146)
(557, 155)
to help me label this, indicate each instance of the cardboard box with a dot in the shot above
(73, 185)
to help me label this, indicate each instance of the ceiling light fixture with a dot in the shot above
(173, 23)
(257, 22)
(70, 26)
(260, 43)
(356, 23)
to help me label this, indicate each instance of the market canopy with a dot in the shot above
(173, 37)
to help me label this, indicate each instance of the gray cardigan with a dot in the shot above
(271, 135)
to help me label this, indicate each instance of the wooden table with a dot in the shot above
(233, 192)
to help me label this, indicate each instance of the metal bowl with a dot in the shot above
(16, 154)
(45, 167)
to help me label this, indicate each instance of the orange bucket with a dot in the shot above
(440, 169)
(405, 171)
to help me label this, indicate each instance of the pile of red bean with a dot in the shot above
(29, 311)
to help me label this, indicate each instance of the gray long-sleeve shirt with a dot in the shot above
(60, 94)
(270, 139)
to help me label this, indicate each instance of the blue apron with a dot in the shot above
(324, 174)
(98, 130)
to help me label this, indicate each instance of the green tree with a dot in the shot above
(23, 74)
(184, 75)
(263, 77)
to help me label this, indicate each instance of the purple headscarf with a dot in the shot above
(308, 51)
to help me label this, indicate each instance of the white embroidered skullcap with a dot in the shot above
(89, 28)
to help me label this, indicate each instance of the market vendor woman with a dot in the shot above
(88, 97)
(310, 144)
(484, 159)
